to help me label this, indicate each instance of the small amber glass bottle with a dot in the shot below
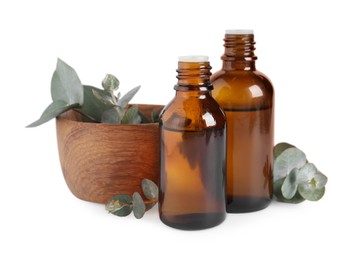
(193, 149)
(247, 97)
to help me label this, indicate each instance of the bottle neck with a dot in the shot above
(193, 76)
(239, 52)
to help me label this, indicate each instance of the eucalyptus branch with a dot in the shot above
(294, 178)
(95, 105)
(123, 204)
(146, 202)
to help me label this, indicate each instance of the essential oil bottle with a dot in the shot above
(193, 151)
(247, 97)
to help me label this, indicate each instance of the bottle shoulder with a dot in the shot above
(240, 89)
(241, 78)
(193, 114)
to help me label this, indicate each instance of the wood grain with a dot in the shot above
(102, 160)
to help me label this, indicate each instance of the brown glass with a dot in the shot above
(247, 97)
(193, 140)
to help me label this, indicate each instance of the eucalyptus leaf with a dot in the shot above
(123, 211)
(120, 205)
(150, 189)
(277, 187)
(131, 116)
(66, 85)
(288, 160)
(277, 192)
(139, 207)
(321, 179)
(112, 116)
(289, 186)
(281, 147)
(306, 173)
(103, 96)
(312, 187)
(110, 83)
(155, 116)
(92, 106)
(308, 192)
(122, 198)
(123, 102)
(55, 109)
(297, 198)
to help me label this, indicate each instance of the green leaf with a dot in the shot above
(289, 187)
(128, 96)
(295, 200)
(155, 116)
(288, 160)
(312, 183)
(112, 116)
(131, 116)
(66, 93)
(306, 173)
(123, 198)
(66, 85)
(122, 211)
(92, 106)
(308, 192)
(55, 109)
(277, 191)
(321, 179)
(139, 207)
(110, 83)
(281, 147)
(120, 205)
(277, 187)
(103, 96)
(150, 189)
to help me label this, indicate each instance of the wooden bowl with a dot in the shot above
(101, 160)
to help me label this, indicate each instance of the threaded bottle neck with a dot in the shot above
(239, 52)
(193, 73)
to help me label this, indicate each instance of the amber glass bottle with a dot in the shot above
(193, 149)
(247, 97)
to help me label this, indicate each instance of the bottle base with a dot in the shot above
(244, 204)
(195, 221)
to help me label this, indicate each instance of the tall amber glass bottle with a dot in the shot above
(193, 141)
(247, 97)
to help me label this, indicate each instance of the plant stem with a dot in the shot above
(87, 116)
(114, 99)
(150, 201)
(145, 202)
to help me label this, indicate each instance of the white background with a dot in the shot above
(309, 49)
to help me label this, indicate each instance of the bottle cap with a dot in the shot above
(239, 32)
(193, 58)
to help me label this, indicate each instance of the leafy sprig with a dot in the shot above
(123, 204)
(294, 178)
(94, 104)
(118, 113)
